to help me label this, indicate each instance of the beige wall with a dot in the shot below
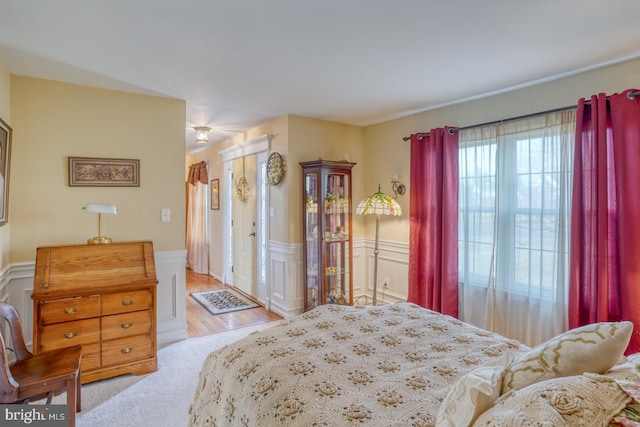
(386, 154)
(5, 99)
(279, 131)
(53, 120)
(380, 152)
(297, 139)
(310, 139)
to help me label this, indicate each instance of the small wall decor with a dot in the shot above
(276, 167)
(97, 172)
(5, 162)
(215, 194)
(242, 186)
(242, 189)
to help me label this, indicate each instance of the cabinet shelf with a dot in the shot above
(334, 273)
(327, 247)
(341, 240)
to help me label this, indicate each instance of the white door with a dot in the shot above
(244, 225)
(246, 256)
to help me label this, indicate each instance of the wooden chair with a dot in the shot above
(31, 378)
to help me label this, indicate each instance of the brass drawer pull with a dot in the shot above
(127, 350)
(126, 325)
(71, 310)
(127, 303)
(71, 335)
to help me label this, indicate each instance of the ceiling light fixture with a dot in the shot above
(202, 134)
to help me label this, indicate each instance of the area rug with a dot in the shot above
(223, 301)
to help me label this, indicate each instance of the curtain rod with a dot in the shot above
(630, 95)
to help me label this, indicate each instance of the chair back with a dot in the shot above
(8, 385)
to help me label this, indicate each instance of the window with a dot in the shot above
(513, 212)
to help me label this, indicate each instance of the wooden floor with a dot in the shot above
(200, 322)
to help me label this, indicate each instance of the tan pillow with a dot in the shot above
(584, 400)
(591, 348)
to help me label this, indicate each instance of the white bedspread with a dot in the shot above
(388, 365)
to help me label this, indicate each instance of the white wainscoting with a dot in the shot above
(287, 279)
(285, 276)
(393, 263)
(171, 304)
(16, 282)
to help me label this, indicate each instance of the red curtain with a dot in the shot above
(604, 279)
(433, 227)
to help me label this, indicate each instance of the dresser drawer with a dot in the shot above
(124, 302)
(69, 309)
(126, 325)
(125, 350)
(70, 333)
(90, 357)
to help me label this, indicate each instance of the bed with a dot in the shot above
(403, 365)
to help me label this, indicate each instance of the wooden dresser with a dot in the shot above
(102, 297)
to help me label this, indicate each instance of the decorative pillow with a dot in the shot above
(470, 396)
(584, 400)
(591, 348)
(628, 368)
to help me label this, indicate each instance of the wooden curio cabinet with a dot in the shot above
(327, 249)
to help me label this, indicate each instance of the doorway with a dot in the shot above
(246, 227)
(243, 225)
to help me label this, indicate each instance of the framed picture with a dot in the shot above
(97, 172)
(5, 163)
(215, 194)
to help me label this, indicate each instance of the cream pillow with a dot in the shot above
(628, 368)
(470, 396)
(591, 348)
(584, 400)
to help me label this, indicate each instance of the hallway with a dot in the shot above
(200, 322)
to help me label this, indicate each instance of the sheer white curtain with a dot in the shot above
(514, 201)
(197, 248)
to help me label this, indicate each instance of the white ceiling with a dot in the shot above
(240, 63)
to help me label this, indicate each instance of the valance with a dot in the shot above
(198, 173)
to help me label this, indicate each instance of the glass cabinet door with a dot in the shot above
(336, 217)
(311, 236)
(327, 249)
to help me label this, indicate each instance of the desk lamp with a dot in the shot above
(100, 208)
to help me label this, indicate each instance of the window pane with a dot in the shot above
(481, 259)
(522, 266)
(527, 193)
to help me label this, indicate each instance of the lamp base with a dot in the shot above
(99, 240)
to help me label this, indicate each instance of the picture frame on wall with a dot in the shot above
(5, 163)
(101, 172)
(215, 194)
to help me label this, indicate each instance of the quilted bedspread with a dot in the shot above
(389, 365)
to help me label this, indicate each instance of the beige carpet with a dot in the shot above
(159, 399)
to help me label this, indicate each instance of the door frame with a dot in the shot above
(260, 147)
